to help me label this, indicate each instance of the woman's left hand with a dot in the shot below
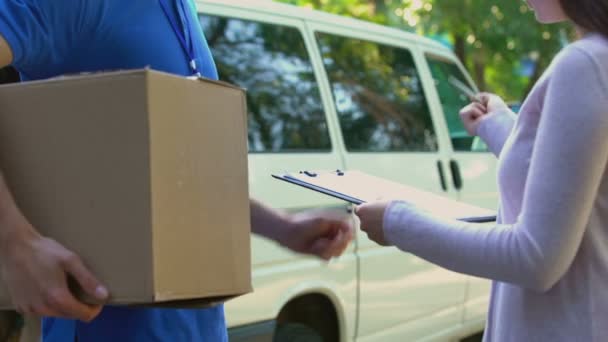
(372, 221)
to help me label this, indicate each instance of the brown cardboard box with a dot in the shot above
(141, 173)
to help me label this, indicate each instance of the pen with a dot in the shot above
(464, 89)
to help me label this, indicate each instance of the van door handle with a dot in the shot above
(456, 177)
(444, 186)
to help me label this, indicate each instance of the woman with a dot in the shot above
(548, 254)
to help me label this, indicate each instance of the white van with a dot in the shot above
(325, 93)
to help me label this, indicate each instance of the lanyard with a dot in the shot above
(181, 34)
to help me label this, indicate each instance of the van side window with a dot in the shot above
(378, 96)
(452, 101)
(271, 62)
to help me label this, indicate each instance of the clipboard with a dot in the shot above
(357, 187)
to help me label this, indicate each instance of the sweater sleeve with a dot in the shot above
(495, 129)
(566, 169)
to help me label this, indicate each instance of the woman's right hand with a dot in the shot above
(35, 270)
(475, 112)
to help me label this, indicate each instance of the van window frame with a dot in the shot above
(299, 26)
(410, 47)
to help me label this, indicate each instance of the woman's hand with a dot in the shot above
(372, 221)
(473, 114)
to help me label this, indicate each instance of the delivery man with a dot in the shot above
(46, 38)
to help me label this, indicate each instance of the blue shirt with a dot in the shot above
(55, 37)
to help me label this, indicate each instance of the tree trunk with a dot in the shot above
(479, 68)
(379, 7)
(460, 47)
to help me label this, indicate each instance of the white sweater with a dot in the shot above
(548, 253)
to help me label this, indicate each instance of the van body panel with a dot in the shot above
(380, 294)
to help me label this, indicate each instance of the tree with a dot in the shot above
(500, 42)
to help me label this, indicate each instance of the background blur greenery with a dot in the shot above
(499, 41)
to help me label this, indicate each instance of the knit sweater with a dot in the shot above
(548, 252)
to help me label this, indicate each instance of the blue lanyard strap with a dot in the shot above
(181, 35)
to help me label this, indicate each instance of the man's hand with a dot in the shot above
(323, 234)
(372, 221)
(36, 269)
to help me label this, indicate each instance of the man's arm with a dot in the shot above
(6, 54)
(35, 268)
(321, 233)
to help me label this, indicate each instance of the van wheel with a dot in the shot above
(296, 332)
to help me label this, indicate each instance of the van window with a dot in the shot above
(378, 96)
(452, 101)
(272, 63)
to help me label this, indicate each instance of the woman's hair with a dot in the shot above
(591, 15)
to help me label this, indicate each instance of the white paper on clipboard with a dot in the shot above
(358, 187)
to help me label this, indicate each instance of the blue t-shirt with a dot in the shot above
(55, 37)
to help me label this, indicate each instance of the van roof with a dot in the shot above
(286, 10)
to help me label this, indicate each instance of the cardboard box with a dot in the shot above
(143, 174)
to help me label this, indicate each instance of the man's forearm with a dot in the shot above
(266, 221)
(12, 221)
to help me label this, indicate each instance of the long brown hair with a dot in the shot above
(591, 15)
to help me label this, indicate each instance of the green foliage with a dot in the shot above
(500, 42)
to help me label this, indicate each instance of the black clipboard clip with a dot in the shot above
(309, 173)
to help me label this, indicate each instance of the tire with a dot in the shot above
(296, 332)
